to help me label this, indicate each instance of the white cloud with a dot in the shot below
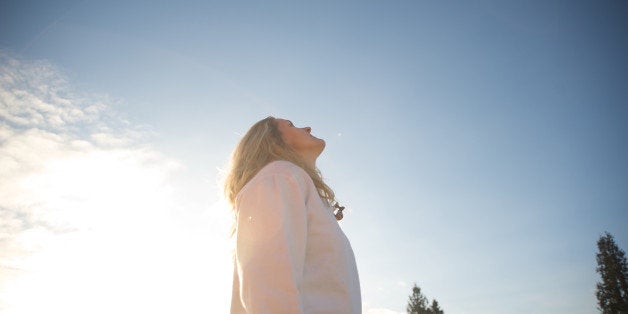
(88, 210)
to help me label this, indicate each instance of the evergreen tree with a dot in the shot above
(612, 291)
(417, 303)
(435, 309)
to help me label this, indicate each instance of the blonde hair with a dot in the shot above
(261, 145)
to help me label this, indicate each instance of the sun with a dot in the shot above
(109, 238)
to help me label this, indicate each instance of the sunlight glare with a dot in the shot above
(115, 243)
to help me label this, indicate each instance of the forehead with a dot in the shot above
(283, 121)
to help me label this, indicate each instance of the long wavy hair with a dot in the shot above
(261, 145)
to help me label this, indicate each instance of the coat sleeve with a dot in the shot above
(270, 250)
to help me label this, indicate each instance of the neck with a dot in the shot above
(309, 159)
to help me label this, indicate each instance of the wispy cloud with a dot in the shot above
(87, 207)
(44, 127)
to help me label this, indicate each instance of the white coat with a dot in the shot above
(291, 255)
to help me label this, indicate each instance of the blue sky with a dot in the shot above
(480, 147)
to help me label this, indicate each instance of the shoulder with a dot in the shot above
(282, 172)
(282, 168)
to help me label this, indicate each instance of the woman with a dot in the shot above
(291, 255)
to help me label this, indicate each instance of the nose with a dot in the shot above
(308, 129)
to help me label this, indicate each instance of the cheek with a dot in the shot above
(290, 139)
(296, 140)
(287, 137)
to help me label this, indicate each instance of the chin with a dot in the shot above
(322, 144)
(318, 147)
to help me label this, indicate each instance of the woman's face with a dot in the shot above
(300, 139)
